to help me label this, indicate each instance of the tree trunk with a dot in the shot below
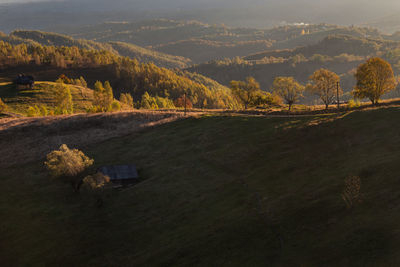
(326, 106)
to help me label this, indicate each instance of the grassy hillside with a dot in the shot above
(43, 93)
(243, 191)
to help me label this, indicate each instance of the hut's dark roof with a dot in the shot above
(24, 80)
(121, 172)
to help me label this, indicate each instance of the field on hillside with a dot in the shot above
(43, 93)
(218, 191)
(24, 140)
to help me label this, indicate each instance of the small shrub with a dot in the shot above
(64, 79)
(43, 110)
(127, 100)
(352, 191)
(95, 184)
(148, 102)
(68, 164)
(3, 106)
(96, 181)
(115, 106)
(33, 111)
(354, 103)
(94, 109)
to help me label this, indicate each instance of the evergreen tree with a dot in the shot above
(108, 95)
(126, 99)
(83, 82)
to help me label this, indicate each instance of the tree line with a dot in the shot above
(374, 78)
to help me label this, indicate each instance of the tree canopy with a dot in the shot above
(324, 84)
(374, 78)
(246, 91)
(288, 89)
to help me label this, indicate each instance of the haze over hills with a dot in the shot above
(255, 13)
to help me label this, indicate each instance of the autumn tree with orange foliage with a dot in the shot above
(180, 102)
(374, 79)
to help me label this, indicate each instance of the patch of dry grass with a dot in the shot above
(28, 139)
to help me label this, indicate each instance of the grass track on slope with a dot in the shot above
(43, 93)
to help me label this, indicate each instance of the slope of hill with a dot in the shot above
(247, 191)
(202, 42)
(388, 24)
(193, 40)
(124, 74)
(323, 31)
(43, 93)
(333, 45)
(145, 55)
(55, 39)
(204, 50)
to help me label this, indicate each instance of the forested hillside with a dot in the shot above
(132, 51)
(147, 55)
(125, 75)
(55, 39)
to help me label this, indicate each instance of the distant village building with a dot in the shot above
(122, 174)
(24, 82)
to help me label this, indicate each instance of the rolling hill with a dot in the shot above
(144, 55)
(333, 45)
(204, 50)
(248, 191)
(203, 42)
(54, 39)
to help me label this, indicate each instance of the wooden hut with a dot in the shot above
(24, 82)
(121, 174)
